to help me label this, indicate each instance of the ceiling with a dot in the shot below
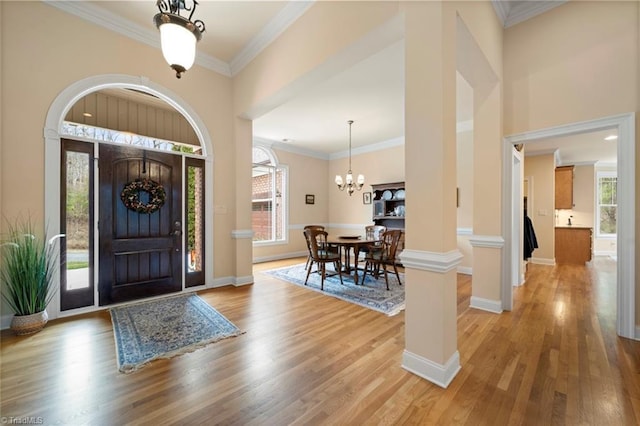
(315, 120)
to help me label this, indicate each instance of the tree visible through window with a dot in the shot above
(607, 210)
(268, 197)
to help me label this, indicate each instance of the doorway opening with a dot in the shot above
(201, 168)
(625, 127)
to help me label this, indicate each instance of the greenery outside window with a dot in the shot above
(607, 204)
(268, 218)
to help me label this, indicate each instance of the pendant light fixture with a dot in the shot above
(178, 35)
(348, 182)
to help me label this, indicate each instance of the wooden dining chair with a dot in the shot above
(318, 228)
(321, 254)
(373, 232)
(383, 256)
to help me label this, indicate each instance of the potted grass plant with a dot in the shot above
(27, 270)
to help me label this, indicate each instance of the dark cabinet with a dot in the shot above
(388, 206)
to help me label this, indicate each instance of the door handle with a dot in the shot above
(177, 229)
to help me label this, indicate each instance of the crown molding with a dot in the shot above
(390, 143)
(512, 12)
(281, 146)
(502, 10)
(523, 10)
(99, 16)
(276, 26)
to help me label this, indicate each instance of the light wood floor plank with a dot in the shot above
(309, 359)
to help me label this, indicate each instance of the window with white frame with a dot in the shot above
(607, 204)
(268, 197)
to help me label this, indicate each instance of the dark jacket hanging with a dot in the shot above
(530, 242)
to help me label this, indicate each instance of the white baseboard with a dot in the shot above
(239, 281)
(221, 282)
(441, 375)
(542, 261)
(466, 270)
(494, 306)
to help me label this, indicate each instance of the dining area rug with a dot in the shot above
(164, 328)
(372, 295)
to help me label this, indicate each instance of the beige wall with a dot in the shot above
(40, 63)
(562, 68)
(542, 169)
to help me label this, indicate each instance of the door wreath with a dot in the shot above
(130, 195)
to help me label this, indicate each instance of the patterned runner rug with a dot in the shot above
(165, 328)
(373, 294)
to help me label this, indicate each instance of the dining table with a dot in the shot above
(348, 243)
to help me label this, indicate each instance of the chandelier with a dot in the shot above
(348, 182)
(178, 35)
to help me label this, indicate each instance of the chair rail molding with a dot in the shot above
(431, 261)
(487, 241)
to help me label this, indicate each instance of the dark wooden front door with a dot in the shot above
(140, 253)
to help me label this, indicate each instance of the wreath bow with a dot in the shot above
(130, 195)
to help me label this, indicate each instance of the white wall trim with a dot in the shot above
(390, 143)
(440, 374)
(466, 270)
(487, 241)
(464, 231)
(626, 271)
(494, 306)
(281, 146)
(431, 261)
(464, 126)
(526, 10)
(240, 234)
(272, 30)
(240, 281)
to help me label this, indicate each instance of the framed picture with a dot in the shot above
(366, 198)
(310, 199)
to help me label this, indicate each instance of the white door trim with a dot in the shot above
(52, 134)
(625, 126)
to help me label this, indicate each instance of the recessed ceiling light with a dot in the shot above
(285, 140)
(87, 114)
(611, 138)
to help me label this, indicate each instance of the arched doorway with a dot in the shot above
(54, 134)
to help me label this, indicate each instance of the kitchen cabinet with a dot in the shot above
(573, 244)
(564, 187)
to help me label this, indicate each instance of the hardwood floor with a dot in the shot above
(311, 359)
